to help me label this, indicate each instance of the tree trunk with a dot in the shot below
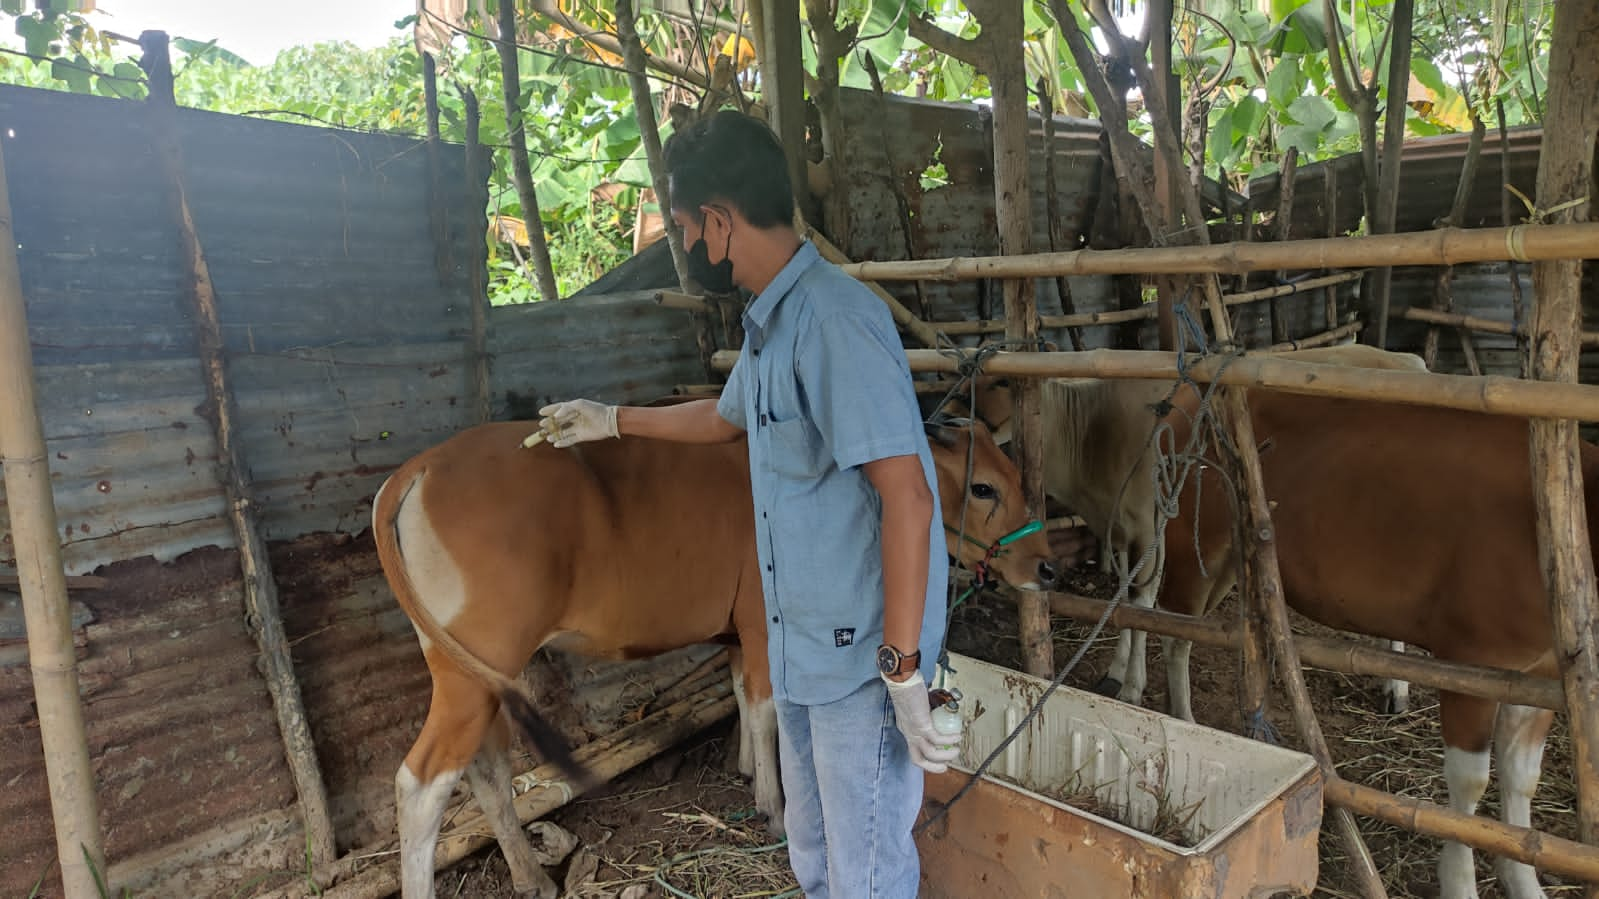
(1566, 173)
(1392, 157)
(521, 171)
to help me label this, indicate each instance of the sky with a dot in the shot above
(255, 30)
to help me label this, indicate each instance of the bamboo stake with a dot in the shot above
(1330, 197)
(1323, 339)
(1080, 319)
(1486, 325)
(1331, 654)
(918, 329)
(260, 591)
(437, 221)
(477, 348)
(1542, 851)
(607, 758)
(1443, 246)
(672, 299)
(52, 660)
(1046, 111)
(1517, 307)
(1566, 186)
(1490, 394)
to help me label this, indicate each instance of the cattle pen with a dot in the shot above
(213, 372)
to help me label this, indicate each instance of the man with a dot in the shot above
(852, 556)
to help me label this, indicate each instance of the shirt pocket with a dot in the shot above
(794, 448)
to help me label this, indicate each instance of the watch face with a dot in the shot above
(887, 659)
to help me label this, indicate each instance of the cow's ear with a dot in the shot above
(944, 432)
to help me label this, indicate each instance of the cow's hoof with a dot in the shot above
(539, 886)
(1108, 686)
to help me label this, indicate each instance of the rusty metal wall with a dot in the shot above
(347, 351)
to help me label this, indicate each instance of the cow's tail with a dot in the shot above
(514, 697)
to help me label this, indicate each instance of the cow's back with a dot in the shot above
(624, 547)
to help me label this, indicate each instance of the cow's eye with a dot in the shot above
(983, 491)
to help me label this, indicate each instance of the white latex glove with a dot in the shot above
(574, 421)
(913, 714)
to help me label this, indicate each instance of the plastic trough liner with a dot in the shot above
(1256, 808)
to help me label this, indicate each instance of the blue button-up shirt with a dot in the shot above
(823, 387)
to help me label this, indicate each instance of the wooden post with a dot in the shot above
(521, 170)
(1285, 219)
(52, 660)
(1566, 187)
(477, 348)
(1393, 140)
(1330, 174)
(438, 222)
(783, 87)
(1046, 111)
(996, 52)
(260, 591)
(650, 134)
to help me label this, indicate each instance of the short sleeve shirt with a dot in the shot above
(822, 387)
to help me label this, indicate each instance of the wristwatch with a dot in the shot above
(891, 662)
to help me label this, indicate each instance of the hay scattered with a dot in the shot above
(701, 855)
(1172, 822)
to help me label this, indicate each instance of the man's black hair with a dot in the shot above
(735, 160)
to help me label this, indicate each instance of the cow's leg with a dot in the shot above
(1174, 653)
(1132, 645)
(1519, 743)
(490, 775)
(762, 716)
(1396, 693)
(1467, 723)
(459, 714)
(746, 756)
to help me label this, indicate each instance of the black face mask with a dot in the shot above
(714, 277)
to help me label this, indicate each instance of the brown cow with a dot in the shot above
(619, 549)
(1415, 525)
(1098, 462)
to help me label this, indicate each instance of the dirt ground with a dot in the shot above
(693, 800)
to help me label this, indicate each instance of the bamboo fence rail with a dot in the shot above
(1445, 246)
(1474, 323)
(1490, 394)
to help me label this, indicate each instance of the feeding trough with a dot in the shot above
(1099, 798)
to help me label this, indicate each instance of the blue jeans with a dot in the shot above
(853, 796)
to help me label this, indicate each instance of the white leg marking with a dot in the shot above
(420, 808)
(1179, 697)
(746, 757)
(439, 585)
(768, 779)
(1397, 692)
(490, 774)
(1520, 764)
(1132, 690)
(1467, 776)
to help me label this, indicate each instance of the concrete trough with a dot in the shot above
(1236, 817)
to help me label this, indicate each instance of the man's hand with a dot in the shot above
(914, 717)
(575, 421)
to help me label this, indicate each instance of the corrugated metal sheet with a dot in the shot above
(958, 219)
(616, 348)
(346, 349)
(1430, 172)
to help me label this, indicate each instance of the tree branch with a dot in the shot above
(1349, 85)
(969, 51)
(604, 40)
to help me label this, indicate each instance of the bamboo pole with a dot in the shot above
(1542, 851)
(1046, 112)
(607, 758)
(1566, 186)
(1489, 394)
(1475, 323)
(52, 660)
(80, 582)
(437, 219)
(672, 299)
(1287, 178)
(1330, 653)
(1442, 298)
(1080, 319)
(1444, 246)
(1323, 339)
(262, 614)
